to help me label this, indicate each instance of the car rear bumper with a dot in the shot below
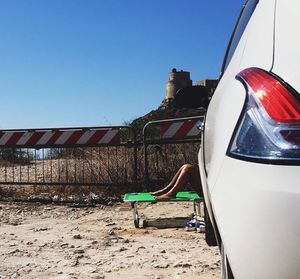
(257, 211)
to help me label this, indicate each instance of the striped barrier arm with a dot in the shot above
(180, 129)
(59, 138)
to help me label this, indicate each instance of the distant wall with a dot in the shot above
(210, 85)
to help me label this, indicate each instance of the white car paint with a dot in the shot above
(257, 211)
(287, 42)
(256, 206)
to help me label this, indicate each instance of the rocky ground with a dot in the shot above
(61, 241)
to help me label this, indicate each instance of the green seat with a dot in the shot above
(135, 198)
(147, 197)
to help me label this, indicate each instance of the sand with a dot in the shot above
(61, 241)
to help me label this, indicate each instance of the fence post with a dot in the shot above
(146, 180)
(135, 146)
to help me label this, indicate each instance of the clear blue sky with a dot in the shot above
(103, 62)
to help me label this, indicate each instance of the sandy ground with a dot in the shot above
(60, 241)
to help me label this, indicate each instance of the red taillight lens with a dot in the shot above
(278, 102)
(269, 128)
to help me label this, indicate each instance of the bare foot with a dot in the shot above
(165, 197)
(154, 193)
(157, 193)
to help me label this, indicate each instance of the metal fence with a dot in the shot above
(95, 156)
(168, 144)
(101, 157)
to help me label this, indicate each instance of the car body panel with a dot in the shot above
(261, 237)
(230, 93)
(258, 49)
(287, 43)
(255, 206)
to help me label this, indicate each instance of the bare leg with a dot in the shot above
(188, 173)
(170, 185)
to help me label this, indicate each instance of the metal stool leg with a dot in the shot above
(136, 218)
(197, 211)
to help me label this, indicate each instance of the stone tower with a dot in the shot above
(177, 80)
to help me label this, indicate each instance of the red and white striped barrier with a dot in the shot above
(60, 137)
(180, 129)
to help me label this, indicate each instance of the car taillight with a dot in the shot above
(269, 127)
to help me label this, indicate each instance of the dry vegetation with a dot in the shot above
(89, 175)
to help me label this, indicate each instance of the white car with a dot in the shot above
(250, 154)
